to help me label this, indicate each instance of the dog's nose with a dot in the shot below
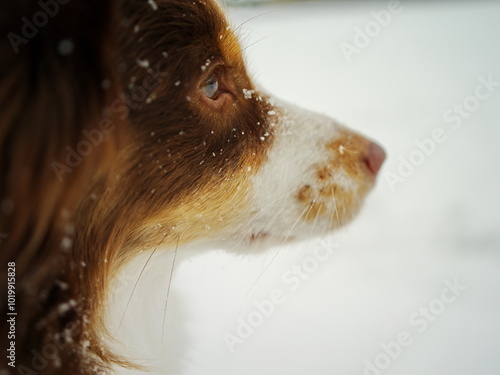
(374, 157)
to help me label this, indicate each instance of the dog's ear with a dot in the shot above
(55, 80)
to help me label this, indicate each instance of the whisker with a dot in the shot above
(332, 216)
(257, 41)
(168, 291)
(315, 216)
(137, 282)
(312, 231)
(252, 18)
(340, 227)
(336, 210)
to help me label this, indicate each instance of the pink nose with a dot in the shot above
(374, 157)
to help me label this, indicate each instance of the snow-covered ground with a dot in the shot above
(412, 286)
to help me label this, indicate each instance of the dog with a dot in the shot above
(139, 137)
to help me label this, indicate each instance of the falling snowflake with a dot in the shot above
(153, 4)
(143, 63)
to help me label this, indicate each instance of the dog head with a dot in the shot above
(206, 154)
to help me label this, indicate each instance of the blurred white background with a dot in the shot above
(442, 223)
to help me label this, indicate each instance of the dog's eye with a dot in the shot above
(210, 87)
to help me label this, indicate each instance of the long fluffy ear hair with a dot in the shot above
(55, 80)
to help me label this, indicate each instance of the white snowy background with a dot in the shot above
(442, 223)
